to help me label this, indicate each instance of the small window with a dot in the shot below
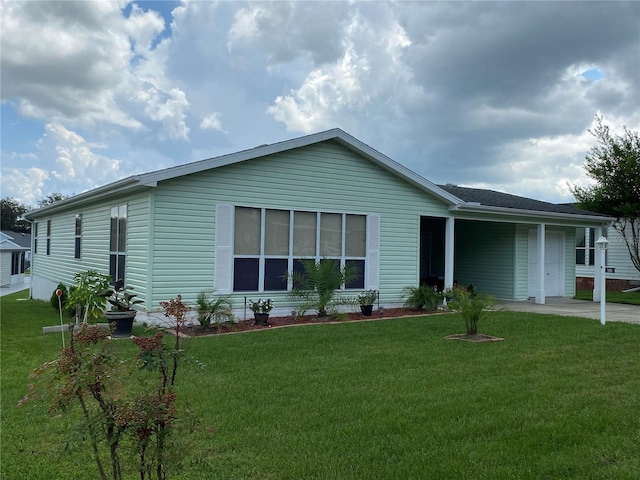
(118, 243)
(48, 237)
(35, 237)
(78, 235)
(585, 246)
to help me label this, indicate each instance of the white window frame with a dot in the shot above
(225, 256)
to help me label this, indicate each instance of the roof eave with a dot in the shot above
(101, 192)
(534, 214)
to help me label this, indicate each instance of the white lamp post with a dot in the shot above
(602, 244)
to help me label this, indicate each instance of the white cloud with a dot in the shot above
(167, 108)
(25, 185)
(212, 122)
(490, 93)
(324, 94)
(73, 160)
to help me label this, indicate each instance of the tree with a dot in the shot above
(614, 163)
(51, 198)
(11, 215)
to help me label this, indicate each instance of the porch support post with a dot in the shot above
(541, 234)
(448, 252)
(597, 278)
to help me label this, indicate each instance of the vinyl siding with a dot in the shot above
(5, 268)
(324, 177)
(138, 232)
(617, 257)
(61, 266)
(521, 262)
(485, 257)
(569, 261)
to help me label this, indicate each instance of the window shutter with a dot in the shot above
(223, 267)
(373, 253)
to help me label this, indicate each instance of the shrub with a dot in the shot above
(120, 409)
(424, 297)
(63, 299)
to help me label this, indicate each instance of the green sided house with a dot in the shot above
(238, 222)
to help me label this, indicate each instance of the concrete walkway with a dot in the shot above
(569, 307)
(16, 287)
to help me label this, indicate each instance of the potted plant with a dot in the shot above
(366, 300)
(261, 310)
(122, 313)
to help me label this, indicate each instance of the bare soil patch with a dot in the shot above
(289, 321)
(477, 338)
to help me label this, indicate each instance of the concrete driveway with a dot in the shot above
(569, 307)
(16, 287)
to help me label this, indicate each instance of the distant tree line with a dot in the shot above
(12, 212)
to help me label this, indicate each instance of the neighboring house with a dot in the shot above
(238, 222)
(15, 249)
(621, 274)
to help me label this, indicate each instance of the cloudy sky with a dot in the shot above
(482, 94)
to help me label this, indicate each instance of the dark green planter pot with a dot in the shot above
(367, 310)
(123, 322)
(261, 319)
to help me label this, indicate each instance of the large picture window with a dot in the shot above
(268, 243)
(118, 242)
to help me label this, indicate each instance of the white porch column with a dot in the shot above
(597, 278)
(449, 230)
(541, 235)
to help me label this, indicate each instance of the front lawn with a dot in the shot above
(632, 298)
(378, 400)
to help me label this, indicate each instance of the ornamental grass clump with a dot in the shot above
(424, 297)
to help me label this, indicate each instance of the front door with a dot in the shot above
(553, 264)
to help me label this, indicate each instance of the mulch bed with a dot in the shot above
(279, 322)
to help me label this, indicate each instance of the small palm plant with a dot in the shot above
(212, 308)
(316, 286)
(471, 306)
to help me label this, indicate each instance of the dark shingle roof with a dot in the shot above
(20, 239)
(492, 198)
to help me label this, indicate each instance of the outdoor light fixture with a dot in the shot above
(602, 244)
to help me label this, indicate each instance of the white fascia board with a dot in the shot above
(536, 216)
(82, 198)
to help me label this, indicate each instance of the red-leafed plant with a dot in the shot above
(118, 412)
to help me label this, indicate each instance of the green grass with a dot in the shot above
(632, 298)
(558, 399)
